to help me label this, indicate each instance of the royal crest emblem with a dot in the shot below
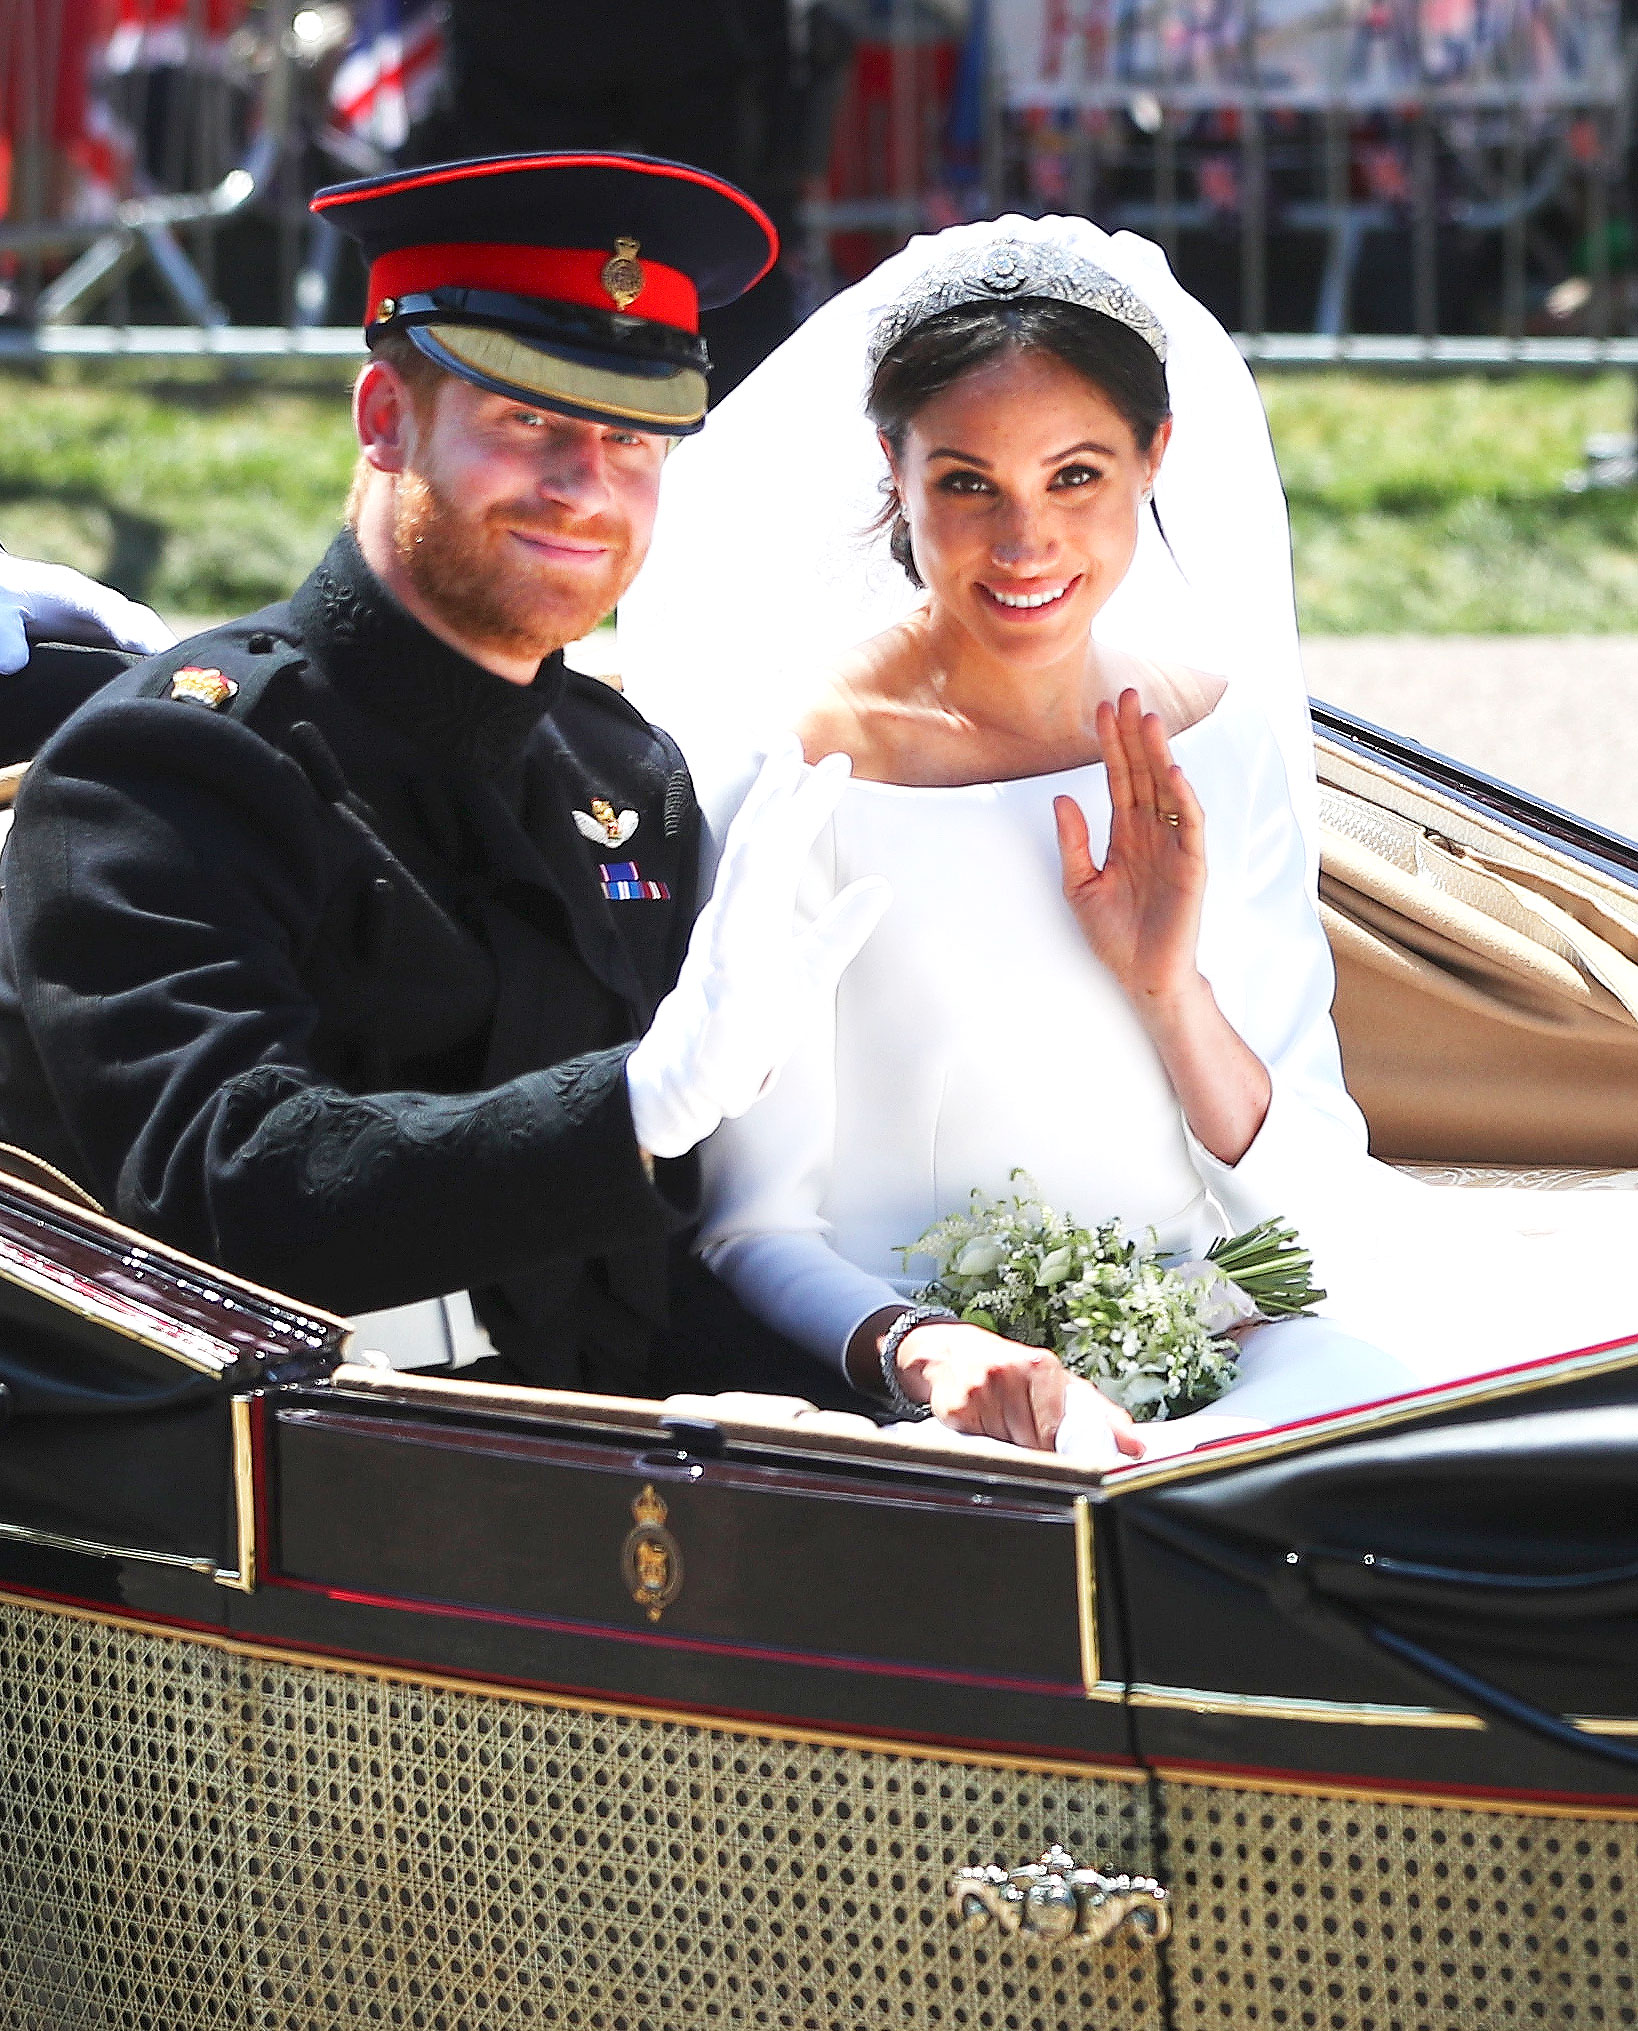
(622, 274)
(204, 687)
(651, 1558)
(604, 825)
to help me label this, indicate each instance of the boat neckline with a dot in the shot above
(1045, 776)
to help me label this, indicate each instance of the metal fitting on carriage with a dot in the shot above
(1058, 1904)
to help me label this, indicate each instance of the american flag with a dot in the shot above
(391, 72)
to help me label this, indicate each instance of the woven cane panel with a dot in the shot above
(117, 1829)
(192, 1838)
(1343, 1916)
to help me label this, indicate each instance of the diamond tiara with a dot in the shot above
(1005, 271)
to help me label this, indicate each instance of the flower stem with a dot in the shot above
(1272, 1267)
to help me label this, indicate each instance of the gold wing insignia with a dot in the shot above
(603, 824)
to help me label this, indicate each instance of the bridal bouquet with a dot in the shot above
(1147, 1329)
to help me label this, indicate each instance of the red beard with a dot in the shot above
(485, 587)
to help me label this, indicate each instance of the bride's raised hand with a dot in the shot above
(1140, 911)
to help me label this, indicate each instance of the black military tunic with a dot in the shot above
(309, 967)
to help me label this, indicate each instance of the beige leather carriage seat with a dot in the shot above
(1487, 987)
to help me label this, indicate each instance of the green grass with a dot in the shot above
(204, 499)
(1438, 507)
(1417, 506)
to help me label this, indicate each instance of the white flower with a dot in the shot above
(1056, 1268)
(1136, 1392)
(1222, 1304)
(980, 1257)
(1142, 1329)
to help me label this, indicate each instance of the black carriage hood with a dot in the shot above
(1488, 1559)
(1531, 1494)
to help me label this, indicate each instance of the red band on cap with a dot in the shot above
(554, 274)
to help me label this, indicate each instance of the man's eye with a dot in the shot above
(1076, 476)
(625, 437)
(531, 418)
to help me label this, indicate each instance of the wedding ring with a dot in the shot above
(1172, 817)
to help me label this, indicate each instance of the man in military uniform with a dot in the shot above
(348, 945)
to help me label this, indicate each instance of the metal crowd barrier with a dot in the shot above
(1412, 183)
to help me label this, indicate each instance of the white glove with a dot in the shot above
(753, 976)
(57, 599)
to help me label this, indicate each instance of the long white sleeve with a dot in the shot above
(1271, 970)
(766, 1177)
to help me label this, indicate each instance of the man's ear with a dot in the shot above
(384, 417)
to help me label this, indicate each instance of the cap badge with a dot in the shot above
(604, 825)
(204, 687)
(622, 274)
(386, 310)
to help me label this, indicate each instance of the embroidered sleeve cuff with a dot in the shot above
(592, 1149)
(387, 1198)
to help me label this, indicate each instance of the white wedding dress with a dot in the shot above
(975, 1033)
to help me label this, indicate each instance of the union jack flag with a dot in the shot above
(391, 73)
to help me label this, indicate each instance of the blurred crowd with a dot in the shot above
(103, 100)
(856, 122)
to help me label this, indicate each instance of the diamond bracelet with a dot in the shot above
(895, 1336)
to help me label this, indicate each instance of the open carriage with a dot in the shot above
(335, 1695)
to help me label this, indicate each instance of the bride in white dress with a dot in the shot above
(1103, 962)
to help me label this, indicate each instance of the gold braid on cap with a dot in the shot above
(1005, 271)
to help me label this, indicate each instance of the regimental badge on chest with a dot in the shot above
(203, 687)
(603, 824)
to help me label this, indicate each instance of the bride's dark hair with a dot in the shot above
(938, 352)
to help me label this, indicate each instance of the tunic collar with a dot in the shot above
(405, 675)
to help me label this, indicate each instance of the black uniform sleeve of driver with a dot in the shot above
(166, 876)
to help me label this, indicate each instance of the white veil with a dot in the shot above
(761, 573)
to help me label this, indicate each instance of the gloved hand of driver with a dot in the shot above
(58, 604)
(753, 975)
